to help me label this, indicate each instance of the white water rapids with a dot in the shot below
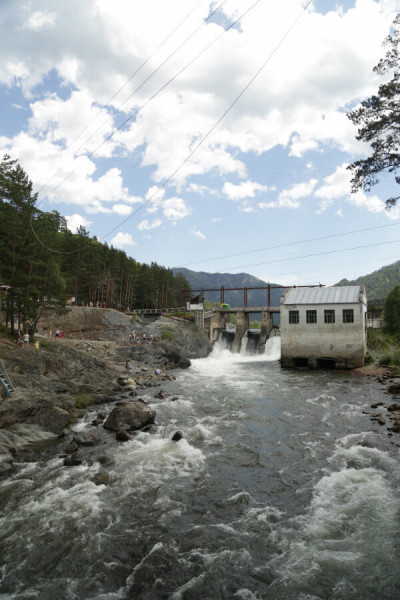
(281, 489)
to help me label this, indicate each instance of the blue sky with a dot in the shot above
(114, 110)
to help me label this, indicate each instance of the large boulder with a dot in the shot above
(37, 409)
(135, 414)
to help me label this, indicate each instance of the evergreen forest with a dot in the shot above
(44, 266)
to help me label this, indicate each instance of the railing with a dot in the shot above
(157, 311)
(5, 380)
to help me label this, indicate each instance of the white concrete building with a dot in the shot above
(323, 327)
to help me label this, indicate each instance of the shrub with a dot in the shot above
(83, 400)
(378, 339)
(167, 335)
(386, 359)
(368, 359)
(44, 344)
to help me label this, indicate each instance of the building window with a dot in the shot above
(293, 317)
(348, 315)
(311, 316)
(329, 316)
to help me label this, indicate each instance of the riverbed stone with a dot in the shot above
(134, 414)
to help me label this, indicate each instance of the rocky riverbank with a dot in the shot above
(95, 363)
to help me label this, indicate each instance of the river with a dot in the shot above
(281, 489)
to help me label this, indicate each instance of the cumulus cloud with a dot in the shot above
(147, 225)
(290, 197)
(122, 209)
(75, 221)
(198, 233)
(40, 20)
(175, 208)
(122, 239)
(246, 189)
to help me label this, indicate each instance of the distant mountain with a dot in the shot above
(200, 280)
(378, 283)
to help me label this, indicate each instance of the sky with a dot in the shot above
(206, 134)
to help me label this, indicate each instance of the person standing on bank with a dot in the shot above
(26, 339)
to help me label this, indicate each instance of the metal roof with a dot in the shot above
(323, 295)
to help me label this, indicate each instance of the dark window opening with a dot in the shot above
(293, 317)
(329, 316)
(311, 316)
(348, 315)
(326, 363)
(300, 362)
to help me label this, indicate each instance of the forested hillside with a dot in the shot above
(379, 283)
(201, 280)
(43, 264)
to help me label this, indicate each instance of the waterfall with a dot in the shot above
(243, 345)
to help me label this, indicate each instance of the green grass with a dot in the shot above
(368, 359)
(167, 335)
(391, 358)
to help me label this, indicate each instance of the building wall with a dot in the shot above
(343, 342)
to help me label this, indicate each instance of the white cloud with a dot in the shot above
(122, 239)
(122, 209)
(290, 197)
(75, 221)
(337, 185)
(246, 189)
(146, 225)
(175, 208)
(40, 20)
(216, 220)
(198, 233)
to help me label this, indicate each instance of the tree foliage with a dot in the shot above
(43, 264)
(392, 309)
(378, 122)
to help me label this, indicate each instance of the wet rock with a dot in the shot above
(73, 460)
(376, 404)
(101, 478)
(160, 394)
(395, 428)
(72, 447)
(122, 436)
(177, 436)
(134, 414)
(96, 422)
(394, 389)
(381, 421)
(393, 407)
(86, 438)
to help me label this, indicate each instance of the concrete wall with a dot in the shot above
(344, 343)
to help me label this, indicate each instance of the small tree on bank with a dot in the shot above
(378, 122)
(392, 309)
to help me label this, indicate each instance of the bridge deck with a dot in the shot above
(249, 309)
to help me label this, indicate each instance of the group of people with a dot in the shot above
(56, 333)
(19, 339)
(135, 339)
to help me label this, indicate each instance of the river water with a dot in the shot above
(281, 489)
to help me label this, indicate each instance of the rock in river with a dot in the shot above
(130, 415)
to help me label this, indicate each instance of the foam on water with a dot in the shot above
(351, 527)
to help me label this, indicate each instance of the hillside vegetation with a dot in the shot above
(201, 280)
(43, 264)
(378, 283)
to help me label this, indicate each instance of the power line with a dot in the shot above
(316, 239)
(269, 262)
(188, 157)
(136, 111)
(206, 136)
(359, 262)
(163, 185)
(143, 64)
(134, 92)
